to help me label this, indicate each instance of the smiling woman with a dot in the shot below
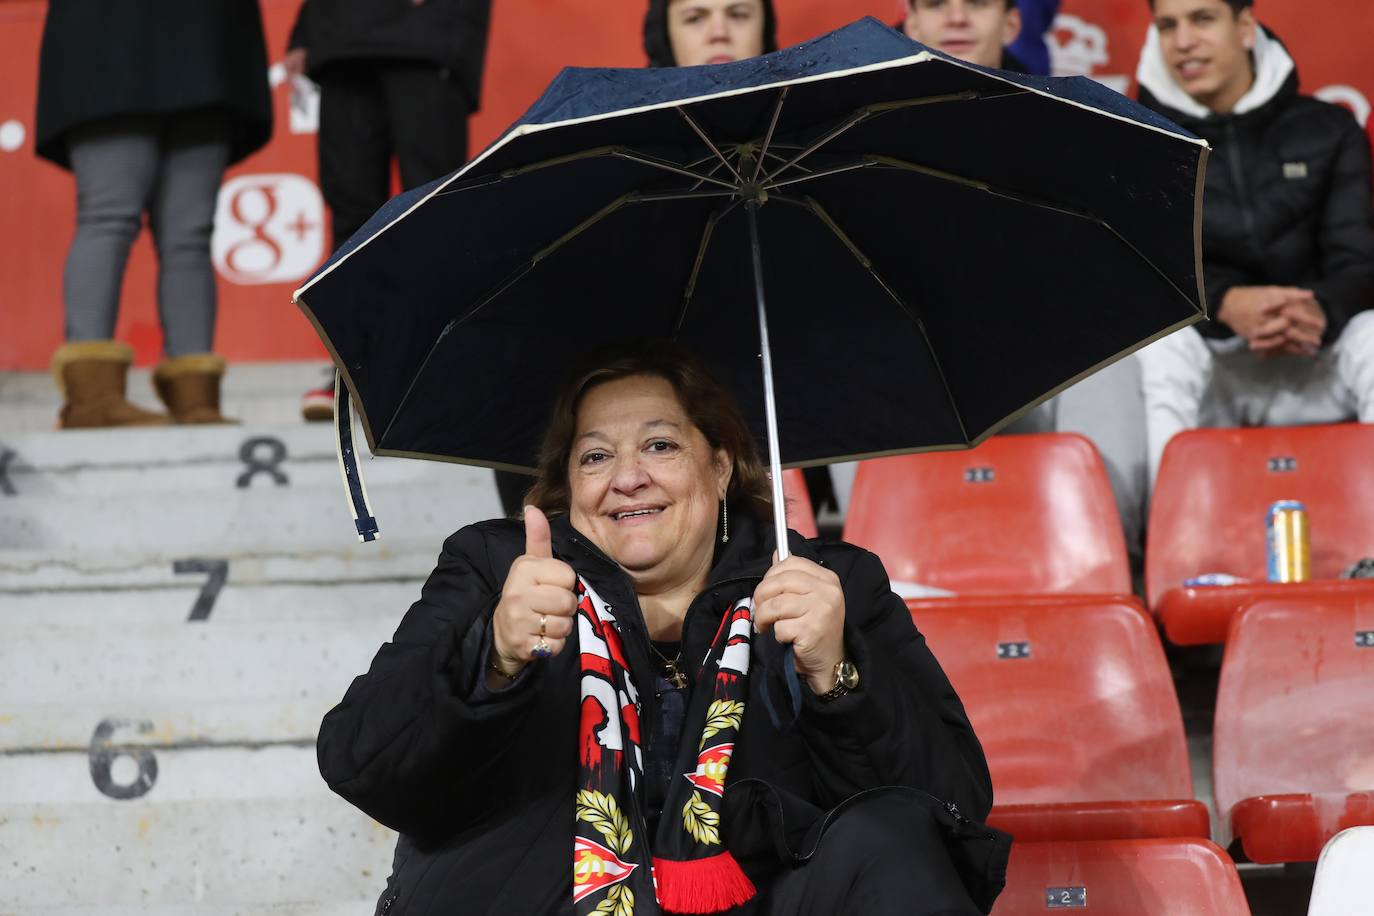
(648, 483)
(630, 676)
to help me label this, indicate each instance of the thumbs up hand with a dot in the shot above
(537, 602)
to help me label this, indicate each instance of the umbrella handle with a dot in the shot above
(770, 411)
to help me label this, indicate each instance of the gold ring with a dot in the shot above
(541, 650)
(543, 621)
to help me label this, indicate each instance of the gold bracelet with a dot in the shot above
(491, 663)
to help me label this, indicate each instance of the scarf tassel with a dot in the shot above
(709, 885)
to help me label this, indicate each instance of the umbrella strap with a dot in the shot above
(789, 679)
(356, 490)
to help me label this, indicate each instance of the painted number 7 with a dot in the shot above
(217, 571)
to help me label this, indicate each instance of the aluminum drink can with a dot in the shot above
(1290, 552)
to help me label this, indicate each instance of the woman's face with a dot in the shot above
(646, 486)
(714, 31)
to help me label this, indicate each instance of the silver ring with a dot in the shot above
(543, 621)
(541, 649)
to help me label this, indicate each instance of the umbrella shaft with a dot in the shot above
(769, 403)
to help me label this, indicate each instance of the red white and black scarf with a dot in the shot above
(686, 868)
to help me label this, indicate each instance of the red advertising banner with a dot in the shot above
(270, 227)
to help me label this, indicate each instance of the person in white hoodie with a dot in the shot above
(1288, 235)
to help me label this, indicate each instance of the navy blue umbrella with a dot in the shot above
(942, 247)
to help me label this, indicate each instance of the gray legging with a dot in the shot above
(169, 166)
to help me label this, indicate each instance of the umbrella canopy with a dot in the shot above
(942, 248)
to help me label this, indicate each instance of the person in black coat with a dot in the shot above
(398, 79)
(146, 103)
(1288, 234)
(577, 715)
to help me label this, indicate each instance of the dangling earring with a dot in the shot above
(724, 523)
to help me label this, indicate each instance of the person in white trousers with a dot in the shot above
(1288, 235)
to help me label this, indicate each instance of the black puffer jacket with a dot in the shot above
(1287, 199)
(482, 793)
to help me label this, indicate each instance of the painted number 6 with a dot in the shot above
(103, 754)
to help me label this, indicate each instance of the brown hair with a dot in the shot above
(707, 403)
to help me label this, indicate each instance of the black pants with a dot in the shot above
(373, 110)
(880, 857)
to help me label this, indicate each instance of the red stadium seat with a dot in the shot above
(1215, 487)
(1075, 707)
(1173, 877)
(1293, 749)
(801, 518)
(1017, 514)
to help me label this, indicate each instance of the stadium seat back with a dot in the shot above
(1072, 701)
(1030, 513)
(1215, 487)
(801, 516)
(1161, 877)
(1293, 750)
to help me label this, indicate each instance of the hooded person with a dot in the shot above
(1288, 234)
(687, 33)
(1031, 46)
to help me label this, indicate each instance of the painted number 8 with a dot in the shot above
(103, 755)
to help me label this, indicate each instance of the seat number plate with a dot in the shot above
(1066, 898)
(1364, 639)
(1282, 465)
(1013, 650)
(979, 475)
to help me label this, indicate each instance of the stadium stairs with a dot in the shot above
(180, 608)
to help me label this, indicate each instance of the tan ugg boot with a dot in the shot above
(92, 376)
(189, 386)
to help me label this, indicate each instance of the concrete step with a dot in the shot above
(37, 572)
(319, 603)
(213, 774)
(206, 908)
(249, 522)
(255, 393)
(235, 854)
(78, 723)
(207, 683)
(185, 459)
(359, 907)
